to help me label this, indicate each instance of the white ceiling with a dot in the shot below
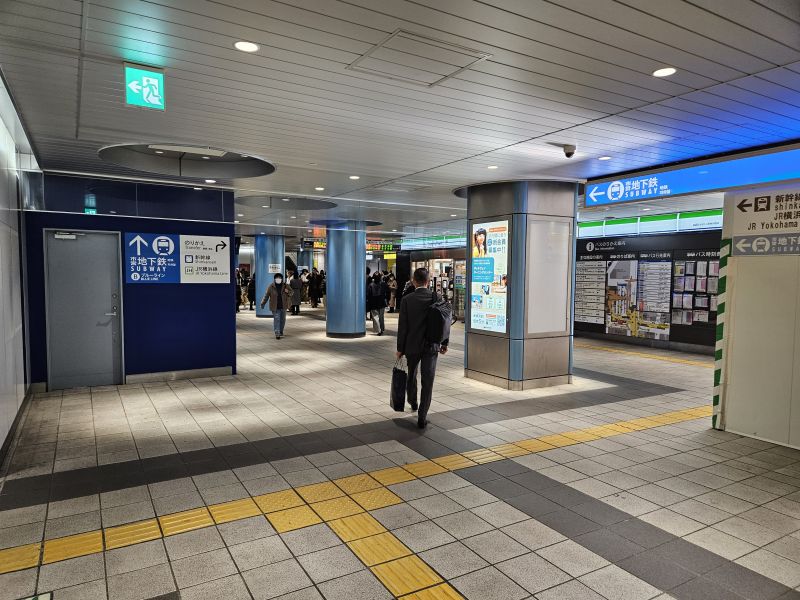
(560, 71)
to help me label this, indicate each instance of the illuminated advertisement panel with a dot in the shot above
(488, 296)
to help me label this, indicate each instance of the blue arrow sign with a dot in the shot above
(763, 168)
(152, 258)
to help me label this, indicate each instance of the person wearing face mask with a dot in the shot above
(279, 297)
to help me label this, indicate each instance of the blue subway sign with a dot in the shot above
(750, 170)
(152, 258)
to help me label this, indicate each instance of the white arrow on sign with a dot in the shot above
(747, 245)
(135, 86)
(596, 192)
(138, 240)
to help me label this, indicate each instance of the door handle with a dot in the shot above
(112, 314)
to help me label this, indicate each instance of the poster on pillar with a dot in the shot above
(765, 221)
(488, 296)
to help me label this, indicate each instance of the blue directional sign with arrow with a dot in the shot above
(152, 258)
(760, 168)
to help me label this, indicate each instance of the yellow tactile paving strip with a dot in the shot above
(671, 359)
(342, 504)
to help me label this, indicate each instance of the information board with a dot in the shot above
(489, 276)
(170, 258)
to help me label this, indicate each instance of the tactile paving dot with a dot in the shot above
(376, 498)
(392, 475)
(357, 483)
(293, 518)
(278, 501)
(336, 508)
(319, 492)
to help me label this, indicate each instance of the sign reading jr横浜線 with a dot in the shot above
(169, 258)
(765, 222)
(144, 87)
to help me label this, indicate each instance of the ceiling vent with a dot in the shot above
(416, 59)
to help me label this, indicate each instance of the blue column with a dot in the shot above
(269, 250)
(304, 259)
(346, 271)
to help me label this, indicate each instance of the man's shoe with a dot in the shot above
(422, 423)
(414, 406)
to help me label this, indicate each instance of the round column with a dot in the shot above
(305, 259)
(269, 250)
(346, 264)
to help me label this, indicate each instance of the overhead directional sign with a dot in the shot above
(765, 221)
(169, 258)
(762, 168)
(144, 87)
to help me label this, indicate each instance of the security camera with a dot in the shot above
(569, 150)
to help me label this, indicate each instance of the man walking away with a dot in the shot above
(279, 297)
(376, 303)
(413, 343)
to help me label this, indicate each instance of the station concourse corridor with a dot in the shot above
(293, 479)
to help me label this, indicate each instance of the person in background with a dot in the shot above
(237, 291)
(392, 285)
(412, 342)
(297, 292)
(376, 302)
(323, 286)
(304, 275)
(369, 281)
(279, 297)
(251, 291)
(315, 287)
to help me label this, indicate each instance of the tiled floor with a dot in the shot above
(255, 486)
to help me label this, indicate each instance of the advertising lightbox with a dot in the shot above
(488, 297)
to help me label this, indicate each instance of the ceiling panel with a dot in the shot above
(559, 71)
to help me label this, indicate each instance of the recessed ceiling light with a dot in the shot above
(454, 215)
(492, 167)
(354, 177)
(320, 189)
(665, 72)
(240, 215)
(394, 229)
(285, 199)
(292, 217)
(197, 189)
(246, 46)
(308, 230)
(159, 152)
(265, 206)
(211, 181)
(603, 158)
(236, 221)
(206, 158)
(647, 209)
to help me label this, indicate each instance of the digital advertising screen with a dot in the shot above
(488, 296)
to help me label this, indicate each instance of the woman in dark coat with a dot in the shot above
(296, 286)
(315, 288)
(251, 291)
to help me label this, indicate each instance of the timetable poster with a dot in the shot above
(489, 276)
(621, 283)
(655, 277)
(590, 290)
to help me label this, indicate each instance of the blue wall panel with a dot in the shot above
(167, 327)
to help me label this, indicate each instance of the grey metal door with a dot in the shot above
(84, 309)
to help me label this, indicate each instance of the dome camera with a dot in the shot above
(569, 150)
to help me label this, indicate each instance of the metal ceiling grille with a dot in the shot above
(417, 59)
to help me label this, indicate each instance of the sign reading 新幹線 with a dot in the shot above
(144, 87)
(765, 222)
(169, 258)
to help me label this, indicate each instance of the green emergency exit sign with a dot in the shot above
(144, 86)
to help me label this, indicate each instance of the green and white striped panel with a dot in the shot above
(724, 254)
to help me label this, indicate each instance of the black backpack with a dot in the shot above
(440, 317)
